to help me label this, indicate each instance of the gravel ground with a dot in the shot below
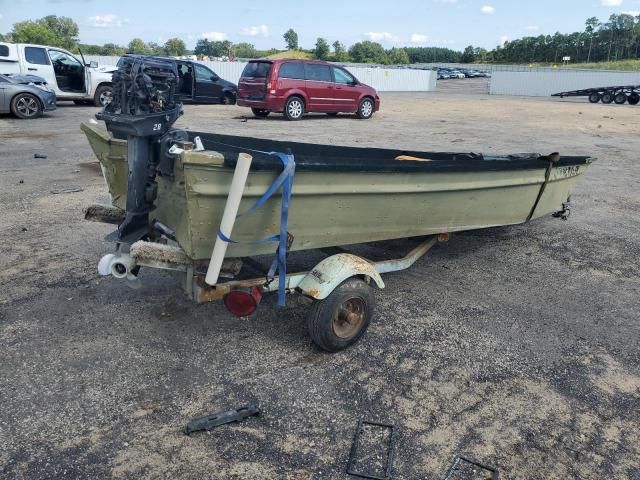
(515, 346)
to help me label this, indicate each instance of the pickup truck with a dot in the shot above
(66, 75)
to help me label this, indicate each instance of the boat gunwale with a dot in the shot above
(377, 160)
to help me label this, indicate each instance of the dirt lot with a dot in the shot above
(516, 346)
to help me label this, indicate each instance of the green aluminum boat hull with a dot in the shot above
(341, 207)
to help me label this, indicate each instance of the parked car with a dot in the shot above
(474, 74)
(199, 84)
(26, 96)
(456, 74)
(68, 77)
(295, 87)
(443, 74)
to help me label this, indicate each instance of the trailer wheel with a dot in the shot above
(633, 99)
(607, 97)
(339, 320)
(620, 98)
(594, 97)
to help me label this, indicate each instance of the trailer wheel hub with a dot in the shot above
(349, 317)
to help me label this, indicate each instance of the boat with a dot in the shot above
(181, 198)
(341, 195)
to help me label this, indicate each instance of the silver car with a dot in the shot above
(26, 96)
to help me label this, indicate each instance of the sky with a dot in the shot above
(446, 23)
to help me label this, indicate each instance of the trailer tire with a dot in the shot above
(607, 97)
(339, 320)
(595, 97)
(620, 98)
(634, 99)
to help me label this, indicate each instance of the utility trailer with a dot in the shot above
(619, 95)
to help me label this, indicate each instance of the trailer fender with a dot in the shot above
(332, 271)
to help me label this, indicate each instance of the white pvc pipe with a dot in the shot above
(229, 216)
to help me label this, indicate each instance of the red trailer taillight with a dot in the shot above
(243, 302)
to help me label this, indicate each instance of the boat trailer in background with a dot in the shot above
(619, 95)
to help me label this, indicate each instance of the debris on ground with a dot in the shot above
(466, 469)
(39, 155)
(67, 190)
(213, 420)
(372, 450)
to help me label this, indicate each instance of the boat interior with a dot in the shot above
(316, 157)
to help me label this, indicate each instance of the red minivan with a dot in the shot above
(294, 87)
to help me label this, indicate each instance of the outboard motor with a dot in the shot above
(144, 106)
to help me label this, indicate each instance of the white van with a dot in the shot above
(69, 77)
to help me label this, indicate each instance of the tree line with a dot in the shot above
(616, 39)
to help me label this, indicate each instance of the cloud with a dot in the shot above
(108, 20)
(381, 37)
(255, 31)
(489, 10)
(532, 28)
(610, 3)
(214, 36)
(419, 38)
(633, 13)
(503, 39)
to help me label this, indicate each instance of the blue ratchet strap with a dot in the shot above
(284, 180)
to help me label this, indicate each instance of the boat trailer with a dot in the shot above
(617, 94)
(341, 286)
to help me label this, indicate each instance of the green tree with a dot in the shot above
(322, 49)
(50, 30)
(203, 47)
(245, 50)
(397, 56)
(368, 52)
(291, 39)
(591, 25)
(64, 28)
(111, 49)
(339, 52)
(137, 46)
(469, 55)
(432, 55)
(213, 48)
(175, 47)
(90, 49)
(34, 32)
(226, 48)
(155, 49)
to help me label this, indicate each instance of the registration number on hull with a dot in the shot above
(570, 171)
